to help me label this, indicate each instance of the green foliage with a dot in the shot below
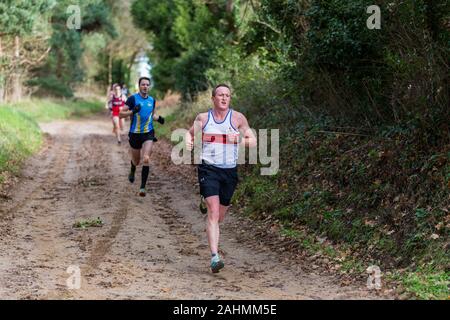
(187, 36)
(44, 110)
(190, 71)
(50, 86)
(19, 138)
(20, 135)
(63, 70)
(119, 71)
(356, 75)
(158, 17)
(18, 17)
(83, 224)
(426, 283)
(338, 37)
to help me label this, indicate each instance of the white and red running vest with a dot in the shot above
(220, 142)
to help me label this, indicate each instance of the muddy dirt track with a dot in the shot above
(148, 248)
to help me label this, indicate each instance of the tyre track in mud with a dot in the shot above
(34, 177)
(148, 248)
(35, 199)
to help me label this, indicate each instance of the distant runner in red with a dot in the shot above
(116, 104)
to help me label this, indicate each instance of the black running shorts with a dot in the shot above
(216, 181)
(136, 140)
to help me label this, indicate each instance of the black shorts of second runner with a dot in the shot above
(216, 181)
(136, 140)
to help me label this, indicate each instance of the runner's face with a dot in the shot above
(117, 91)
(144, 87)
(222, 98)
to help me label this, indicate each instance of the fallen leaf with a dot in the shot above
(321, 240)
(369, 223)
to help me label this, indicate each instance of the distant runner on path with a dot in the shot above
(116, 103)
(141, 107)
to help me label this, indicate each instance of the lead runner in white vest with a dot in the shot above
(222, 130)
(220, 142)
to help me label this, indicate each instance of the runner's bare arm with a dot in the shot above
(249, 138)
(125, 112)
(196, 127)
(157, 117)
(124, 99)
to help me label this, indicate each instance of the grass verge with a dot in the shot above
(20, 135)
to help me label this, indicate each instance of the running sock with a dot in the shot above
(132, 172)
(145, 172)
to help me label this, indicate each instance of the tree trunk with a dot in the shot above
(130, 65)
(110, 68)
(230, 17)
(16, 81)
(230, 6)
